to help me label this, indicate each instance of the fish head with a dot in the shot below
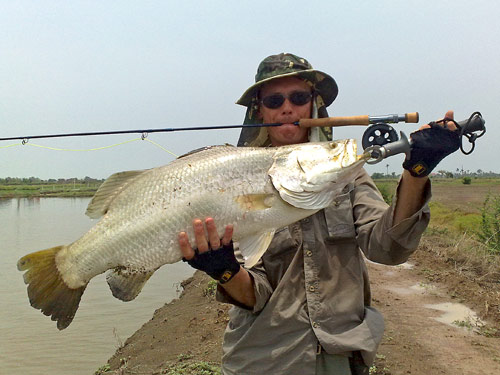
(311, 175)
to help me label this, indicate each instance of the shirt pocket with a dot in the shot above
(339, 218)
(286, 241)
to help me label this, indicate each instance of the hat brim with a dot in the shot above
(323, 84)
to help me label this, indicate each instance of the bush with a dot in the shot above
(466, 180)
(386, 192)
(490, 223)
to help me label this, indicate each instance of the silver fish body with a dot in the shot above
(258, 190)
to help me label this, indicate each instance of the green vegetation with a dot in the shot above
(475, 213)
(103, 370)
(211, 289)
(387, 188)
(186, 367)
(453, 219)
(193, 368)
(34, 187)
(490, 223)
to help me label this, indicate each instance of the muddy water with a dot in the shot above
(30, 343)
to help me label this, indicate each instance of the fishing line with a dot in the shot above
(15, 144)
(143, 138)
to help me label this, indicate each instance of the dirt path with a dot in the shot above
(415, 342)
(190, 329)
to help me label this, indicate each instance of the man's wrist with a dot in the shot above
(414, 181)
(228, 275)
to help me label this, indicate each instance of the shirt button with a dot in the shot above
(309, 253)
(312, 288)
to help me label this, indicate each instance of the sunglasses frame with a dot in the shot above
(289, 97)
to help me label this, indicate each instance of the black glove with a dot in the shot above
(429, 147)
(220, 264)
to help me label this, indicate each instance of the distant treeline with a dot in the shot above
(459, 173)
(54, 181)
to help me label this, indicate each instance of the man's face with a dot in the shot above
(287, 113)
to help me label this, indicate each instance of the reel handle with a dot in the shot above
(475, 123)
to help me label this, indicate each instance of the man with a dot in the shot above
(305, 307)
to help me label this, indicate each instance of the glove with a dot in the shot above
(428, 147)
(220, 264)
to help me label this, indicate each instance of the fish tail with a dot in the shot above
(47, 290)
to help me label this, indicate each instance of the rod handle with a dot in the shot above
(334, 121)
(411, 117)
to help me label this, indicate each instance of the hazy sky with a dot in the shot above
(73, 66)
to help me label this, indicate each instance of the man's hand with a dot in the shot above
(212, 255)
(431, 144)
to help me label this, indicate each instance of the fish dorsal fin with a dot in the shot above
(126, 285)
(108, 191)
(254, 246)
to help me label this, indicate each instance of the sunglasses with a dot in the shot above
(275, 101)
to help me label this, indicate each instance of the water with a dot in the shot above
(30, 343)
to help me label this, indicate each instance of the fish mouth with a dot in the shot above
(364, 156)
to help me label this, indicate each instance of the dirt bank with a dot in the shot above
(190, 329)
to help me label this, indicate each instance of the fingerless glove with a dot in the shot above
(220, 264)
(430, 146)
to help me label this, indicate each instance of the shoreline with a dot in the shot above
(49, 195)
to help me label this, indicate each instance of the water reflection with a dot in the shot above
(30, 342)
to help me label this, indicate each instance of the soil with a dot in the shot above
(190, 329)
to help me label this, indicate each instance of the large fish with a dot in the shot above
(258, 190)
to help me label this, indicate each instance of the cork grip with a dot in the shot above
(411, 117)
(335, 121)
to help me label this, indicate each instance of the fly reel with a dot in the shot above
(378, 135)
(382, 141)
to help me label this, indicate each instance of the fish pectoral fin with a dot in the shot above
(252, 248)
(110, 188)
(126, 284)
(254, 202)
(46, 289)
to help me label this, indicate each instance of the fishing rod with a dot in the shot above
(328, 121)
(379, 139)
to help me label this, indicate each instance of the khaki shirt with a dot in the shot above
(312, 286)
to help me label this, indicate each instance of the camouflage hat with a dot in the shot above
(289, 65)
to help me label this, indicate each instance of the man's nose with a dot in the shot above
(287, 106)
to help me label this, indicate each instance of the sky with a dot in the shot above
(78, 66)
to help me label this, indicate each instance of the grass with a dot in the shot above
(185, 366)
(48, 190)
(192, 368)
(211, 289)
(460, 209)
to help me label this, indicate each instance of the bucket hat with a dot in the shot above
(289, 65)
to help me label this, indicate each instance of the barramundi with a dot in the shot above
(257, 190)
